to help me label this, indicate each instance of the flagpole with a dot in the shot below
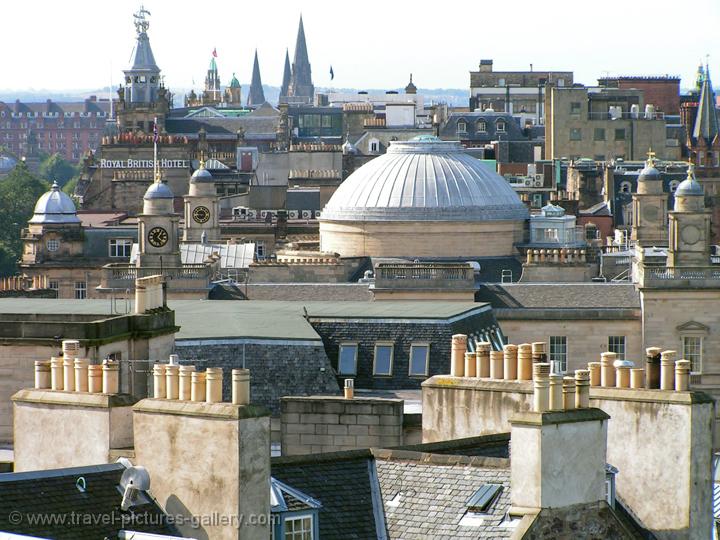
(155, 159)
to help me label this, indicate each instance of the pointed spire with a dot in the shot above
(706, 122)
(301, 85)
(256, 96)
(286, 76)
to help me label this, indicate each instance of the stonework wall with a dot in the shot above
(568, 273)
(586, 339)
(281, 368)
(438, 239)
(330, 424)
(297, 273)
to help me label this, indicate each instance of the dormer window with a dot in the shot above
(500, 126)
(462, 126)
(481, 126)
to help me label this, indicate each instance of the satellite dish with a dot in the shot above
(136, 477)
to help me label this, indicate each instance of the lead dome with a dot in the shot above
(54, 206)
(424, 186)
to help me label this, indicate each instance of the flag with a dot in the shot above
(332, 73)
(215, 52)
(155, 131)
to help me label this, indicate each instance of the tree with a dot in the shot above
(54, 168)
(19, 191)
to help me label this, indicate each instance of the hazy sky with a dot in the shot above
(81, 44)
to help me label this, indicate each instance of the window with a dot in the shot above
(620, 134)
(383, 359)
(375, 146)
(616, 344)
(561, 83)
(599, 134)
(500, 126)
(692, 350)
(419, 353)
(575, 107)
(558, 352)
(501, 82)
(53, 245)
(576, 134)
(625, 187)
(347, 359)
(120, 247)
(260, 250)
(481, 126)
(80, 290)
(299, 528)
(54, 284)
(462, 126)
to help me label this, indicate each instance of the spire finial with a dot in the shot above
(651, 157)
(690, 170)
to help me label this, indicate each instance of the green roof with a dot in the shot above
(257, 319)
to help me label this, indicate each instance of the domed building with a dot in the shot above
(54, 207)
(423, 198)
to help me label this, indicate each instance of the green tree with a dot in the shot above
(54, 168)
(19, 191)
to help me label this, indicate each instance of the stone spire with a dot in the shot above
(706, 122)
(142, 80)
(287, 74)
(301, 85)
(212, 92)
(256, 96)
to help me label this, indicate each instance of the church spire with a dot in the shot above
(256, 96)
(706, 122)
(301, 85)
(286, 77)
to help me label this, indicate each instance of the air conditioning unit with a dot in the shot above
(307, 214)
(539, 180)
(293, 214)
(252, 214)
(263, 214)
(528, 182)
(317, 214)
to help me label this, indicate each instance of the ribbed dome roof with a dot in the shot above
(54, 207)
(424, 179)
(649, 174)
(201, 175)
(158, 190)
(689, 186)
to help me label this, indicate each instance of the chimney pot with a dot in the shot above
(496, 364)
(637, 378)
(470, 367)
(525, 362)
(111, 376)
(556, 392)
(582, 388)
(68, 374)
(652, 367)
(172, 381)
(482, 359)
(349, 388)
(457, 359)
(95, 378)
(607, 369)
(241, 386)
(213, 385)
(159, 387)
(667, 370)
(510, 362)
(622, 373)
(81, 375)
(594, 368)
(197, 392)
(539, 352)
(185, 383)
(682, 375)
(541, 396)
(42, 374)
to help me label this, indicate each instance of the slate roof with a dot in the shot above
(513, 131)
(54, 493)
(559, 296)
(432, 499)
(342, 483)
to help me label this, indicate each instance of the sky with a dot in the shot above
(85, 44)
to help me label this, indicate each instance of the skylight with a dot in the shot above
(481, 500)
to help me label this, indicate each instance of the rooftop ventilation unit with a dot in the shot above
(133, 481)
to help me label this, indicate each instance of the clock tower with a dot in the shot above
(201, 208)
(158, 228)
(649, 204)
(689, 225)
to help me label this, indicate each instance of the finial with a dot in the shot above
(411, 78)
(651, 158)
(55, 186)
(141, 22)
(690, 170)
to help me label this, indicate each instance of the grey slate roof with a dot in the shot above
(559, 296)
(54, 493)
(513, 131)
(433, 499)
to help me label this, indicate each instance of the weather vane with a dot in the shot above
(141, 22)
(651, 157)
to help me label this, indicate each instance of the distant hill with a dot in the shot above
(451, 96)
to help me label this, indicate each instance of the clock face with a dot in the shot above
(690, 234)
(650, 213)
(157, 237)
(201, 214)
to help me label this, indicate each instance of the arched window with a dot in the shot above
(481, 126)
(462, 126)
(500, 126)
(673, 185)
(625, 187)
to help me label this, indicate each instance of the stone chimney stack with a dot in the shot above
(561, 458)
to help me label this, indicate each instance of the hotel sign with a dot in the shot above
(144, 163)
